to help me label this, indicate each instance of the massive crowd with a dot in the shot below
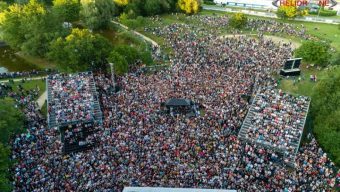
(141, 146)
(71, 98)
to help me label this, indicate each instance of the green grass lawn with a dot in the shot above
(28, 85)
(305, 85)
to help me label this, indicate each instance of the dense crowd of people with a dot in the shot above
(26, 74)
(71, 98)
(141, 146)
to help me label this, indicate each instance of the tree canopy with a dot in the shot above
(238, 21)
(67, 9)
(189, 6)
(97, 14)
(11, 120)
(5, 163)
(29, 27)
(315, 52)
(326, 112)
(80, 51)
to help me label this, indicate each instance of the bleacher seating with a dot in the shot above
(74, 108)
(273, 126)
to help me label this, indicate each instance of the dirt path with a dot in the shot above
(275, 39)
(41, 100)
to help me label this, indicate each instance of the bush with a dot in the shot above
(327, 13)
(324, 13)
(287, 12)
(315, 52)
(209, 2)
(238, 21)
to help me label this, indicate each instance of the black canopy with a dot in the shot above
(178, 102)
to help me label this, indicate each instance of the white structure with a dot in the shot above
(161, 189)
(264, 4)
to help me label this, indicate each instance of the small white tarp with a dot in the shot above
(161, 189)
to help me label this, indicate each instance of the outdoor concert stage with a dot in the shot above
(291, 67)
(176, 106)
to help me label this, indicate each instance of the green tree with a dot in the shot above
(11, 120)
(325, 110)
(5, 164)
(80, 51)
(120, 64)
(129, 53)
(3, 6)
(238, 21)
(287, 12)
(189, 6)
(315, 52)
(67, 9)
(97, 14)
(29, 27)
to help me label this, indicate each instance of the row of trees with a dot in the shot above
(325, 110)
(47, 32)
(134, 8)
(11, 123)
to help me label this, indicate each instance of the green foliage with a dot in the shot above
(97, 14)
(132, 23)
(324, 12)
(326, 112)
(3, 6)
(336, 59)
(29, 27)
(287, 12)
(11, 120)
(80, 51)
(67, 9)
(209, 2)
(120, 64)
(315, 52)
(189, 6)
(238, 21)
(129, 53)
(5, 163)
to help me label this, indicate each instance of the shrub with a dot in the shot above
(209, 2)
(315, 52)
(238, 21)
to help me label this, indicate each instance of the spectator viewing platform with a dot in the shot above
(72, 99)
(276, 121)
(73, 108)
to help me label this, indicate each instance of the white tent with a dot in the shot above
(161, 189)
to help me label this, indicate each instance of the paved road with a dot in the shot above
(272, 15)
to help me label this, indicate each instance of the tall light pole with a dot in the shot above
(113, 76)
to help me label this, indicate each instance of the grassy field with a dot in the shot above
(303, 86)
(28, 85)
